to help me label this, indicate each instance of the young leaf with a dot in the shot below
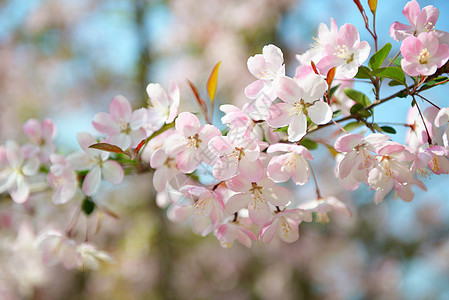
(212, 82)
(390, 72)
(357, 96)
(388, 129)
(352, 125)
(108, 147)
(363, 73)
(314, 68)
(87, 206)
(330, 76)
(309, 144)
(139, 147)
(378, 58)
(198, 98)
(336, 113)
(333, 90)
(372, 6)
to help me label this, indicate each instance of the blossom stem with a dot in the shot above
(317, 189)
(428, 101)
(429, 139)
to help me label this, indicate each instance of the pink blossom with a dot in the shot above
(359, 157)
(56, 248)
(434, 157)
(292, 164)
(122, 126)
(256, 196)
(165, 168)
(96, 162)
(207, 209)
(236, 156)
(285, 225)
(229, 232)
(190, 142)
(41, 137)
(301, 100)
(89, 257)
(420, 21)
(163, 106)
(392, 171)
(417, 135)
(326, 36)
(267, 67)
(62, 179)
(324, 205)
(423, 55)
(442, 119)
(15, 171)
(345, 52)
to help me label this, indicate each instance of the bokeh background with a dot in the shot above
(66, 59)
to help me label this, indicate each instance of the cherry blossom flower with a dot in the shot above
(420, 21)
(190, 142)
(345, 52)
(236, 156)
(292, 164)
(89, 257)
(256, 196)
(326, 36)
(267, 67)
(57, 248)
(165, 166)
(285, 225)
(163, 106)
(417, 135)
(229, 232)
(206, 208)
(434, 157)
(15, 171)
(123, 127)
(324, 205)
(442, 119)
(359, 157)
(301, 100)
(96, 162)
(41, 137)
(62, 179)
(392, 171)
(423, 55)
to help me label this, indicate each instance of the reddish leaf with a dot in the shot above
(330, 76)
(359, 5)
(212, 82)
(372, 5)
(200, 101)
(314, 68)
(107, 147)
(139, 147)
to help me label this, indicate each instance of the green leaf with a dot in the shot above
(388, 129)
(391, 73)
(333, 90)
(363, 73)
(378, 58)
(433, 82)
(352, 125)
(88, 206)
(359, 109)
(282, 129)
(336, 113)
(357, 96)
(395, 83)
(309, 144)
(397, 62)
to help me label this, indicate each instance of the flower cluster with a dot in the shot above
(234, 183)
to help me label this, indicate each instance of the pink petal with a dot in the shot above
(314, 87)
(120, 109)
(274, 169)
(237, 202)
(188, 160)
(32, 129)
(278, 115)
(187, 124)
(251, 170)
(259, 213)
(112, 172)
(269, 231)
(92, 181)
(48, 129)
(297, 128)
(20, 191)
(174, 95)
(238, 184)
(320, 112)
(399, 31)
(288, 230)
(277, 195)
(347, 142)
(301, 173)
(254, 88)
(289, 90)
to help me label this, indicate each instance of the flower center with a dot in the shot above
(193, 142)
(297, 108)
(237, 154)
(290, 163)
(344, 53)
(124, 127)
(266, 74)
(256, 193)
(424, 56)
